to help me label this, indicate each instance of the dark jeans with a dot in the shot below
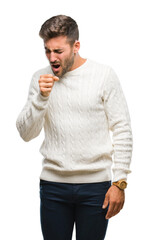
(62, 204)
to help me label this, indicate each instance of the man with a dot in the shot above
(78, 102)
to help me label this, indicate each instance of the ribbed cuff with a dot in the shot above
(40, 102)
(119, 174)
(42, 98)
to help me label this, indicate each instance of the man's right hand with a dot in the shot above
(46, 83)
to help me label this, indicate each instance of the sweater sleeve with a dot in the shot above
(120, 124)
(31, 119)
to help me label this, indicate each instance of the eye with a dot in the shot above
(59, 52)
(47, 50)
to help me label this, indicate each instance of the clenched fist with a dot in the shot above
(46, 83)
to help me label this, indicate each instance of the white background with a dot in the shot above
(113, 32)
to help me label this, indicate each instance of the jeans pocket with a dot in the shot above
(107, 184)
(42, 188)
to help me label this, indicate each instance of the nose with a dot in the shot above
(52, 57)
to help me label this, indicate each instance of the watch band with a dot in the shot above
(121, 184)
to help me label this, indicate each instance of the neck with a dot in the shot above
(78, 61)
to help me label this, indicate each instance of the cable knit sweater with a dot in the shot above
(84, 106)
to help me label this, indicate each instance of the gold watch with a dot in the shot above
(122, 184)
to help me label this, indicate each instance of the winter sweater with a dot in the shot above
(88, 136)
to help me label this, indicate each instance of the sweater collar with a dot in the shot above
(78, 70)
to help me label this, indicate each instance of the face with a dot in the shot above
(60, 55)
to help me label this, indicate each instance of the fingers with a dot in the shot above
(110, 211)
(48, 78)
(114, 208)
(46, 83)
(106, 202)
(56, 78)
(115, 198)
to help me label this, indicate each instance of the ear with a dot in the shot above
(76, 46)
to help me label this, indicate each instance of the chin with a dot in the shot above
(58, 74)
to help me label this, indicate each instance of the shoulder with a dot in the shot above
(99, 67)
(102, 71)
(105, 73)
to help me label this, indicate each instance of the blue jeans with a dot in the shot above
(63, 204)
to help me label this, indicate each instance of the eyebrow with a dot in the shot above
(58, 49)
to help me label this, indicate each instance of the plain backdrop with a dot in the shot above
(112, 32)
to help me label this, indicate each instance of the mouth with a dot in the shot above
(56, 67)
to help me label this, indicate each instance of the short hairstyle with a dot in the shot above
(60, 25)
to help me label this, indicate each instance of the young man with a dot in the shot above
(78, 102)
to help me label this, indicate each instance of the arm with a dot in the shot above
(119, 123)
(31, 119)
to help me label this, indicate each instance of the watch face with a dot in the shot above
(123, 185)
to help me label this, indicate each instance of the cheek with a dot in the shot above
(62, 58)
(48, 55)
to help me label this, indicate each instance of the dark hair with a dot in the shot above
(60, 25)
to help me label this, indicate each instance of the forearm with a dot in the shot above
(31, 119)
(122, 144)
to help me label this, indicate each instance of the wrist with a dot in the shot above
(121, 184)
(42, 97)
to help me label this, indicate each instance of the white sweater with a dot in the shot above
(83, 106)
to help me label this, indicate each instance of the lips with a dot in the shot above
(56, 67)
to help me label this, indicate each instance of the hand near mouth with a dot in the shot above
(46, 83)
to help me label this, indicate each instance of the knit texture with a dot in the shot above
(84, 106)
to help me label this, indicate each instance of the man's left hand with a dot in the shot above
(115, 198)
